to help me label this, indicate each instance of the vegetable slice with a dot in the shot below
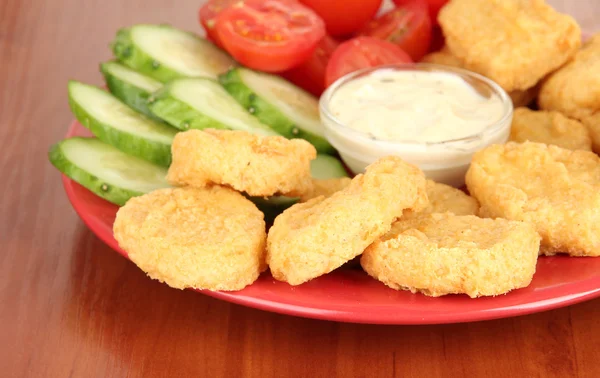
(269, 35)
(130, 86)
(200, 103)
(327, 167)
(289, 110)
(115, 123)
(106, 171)
(165, 53)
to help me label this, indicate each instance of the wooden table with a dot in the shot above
(70, 306)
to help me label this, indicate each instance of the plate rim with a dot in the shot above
(590, 289)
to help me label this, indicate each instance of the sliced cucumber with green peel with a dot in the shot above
(130, 86)
(165, 53)
(289, 110)
(327, 167)
(200, 103)
(115, 123)
(106, 171)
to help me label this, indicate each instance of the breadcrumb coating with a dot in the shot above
(445, 198)
(549, 127)
(513, 42)
(439, 254)
(325, 187)
(204, 238)
(555, 189)
(258, 165)
(574, 90)
(314, 238)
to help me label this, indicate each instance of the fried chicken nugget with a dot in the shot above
(513, 42)
(257, 165)
(314, 238)
(444, 57)
(555, 189)
(439, 254)
(445, 198)
(549, 127)
(574, 89)
(204, 238)
(325, 187)
(592, 123)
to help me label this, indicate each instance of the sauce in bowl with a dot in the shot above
(435, 117)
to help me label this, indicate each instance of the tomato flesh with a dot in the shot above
(363, 52)
(310, 75)
(344, 17)
(408, 26)
(269, 35)
(208, 17)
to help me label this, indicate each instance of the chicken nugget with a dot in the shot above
(325, 187)
(445, 198)
(555, 189)
(592, 123)
(314, 238)
(513, 42)
(444, 57)
(204, 238)
(258, 165)
(549, 127)
(439, 254)
(574, 89)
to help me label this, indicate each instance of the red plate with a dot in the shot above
(349, 295)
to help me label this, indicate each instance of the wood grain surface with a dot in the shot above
(70, 306)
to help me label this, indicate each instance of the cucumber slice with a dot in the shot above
(165, 53)
(200, 103)
(130, 86)
(115, 123)
(106, 171)
(288, 109)
(327, 167)
(323, 167)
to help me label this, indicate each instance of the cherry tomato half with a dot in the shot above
(408, 26)
(344, 17)
(363, 52)
(433, 6)
(208, 17)
(270, 35)
(310, 75)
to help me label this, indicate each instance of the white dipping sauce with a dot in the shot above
(434, 117)
(415, 106)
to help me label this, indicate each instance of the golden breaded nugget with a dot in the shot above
(325, 187)
(313, 238)
(445, 58)
(203, 238)
(550, 128)
(257, 165)
(574, 90)
(445, 198)
(555, 189)
(513, 42)
(439, 254)
(592, 123)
